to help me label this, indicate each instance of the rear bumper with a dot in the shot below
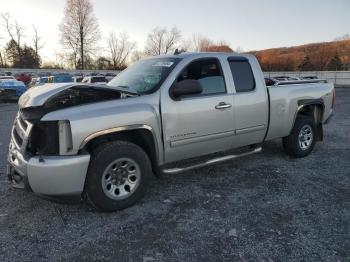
(48, 175)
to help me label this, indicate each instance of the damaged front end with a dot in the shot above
(45, 135)
(73, 96)
(40, 152)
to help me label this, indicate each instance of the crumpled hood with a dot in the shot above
(37, 96)
(39, 101)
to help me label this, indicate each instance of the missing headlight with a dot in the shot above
(44, 138)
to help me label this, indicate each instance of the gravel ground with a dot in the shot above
(265, 207)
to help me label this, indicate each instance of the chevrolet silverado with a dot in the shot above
(164, 114)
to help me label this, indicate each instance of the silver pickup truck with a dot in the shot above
(164, 114)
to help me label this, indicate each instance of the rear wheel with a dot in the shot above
(118, 176)
(302, 139)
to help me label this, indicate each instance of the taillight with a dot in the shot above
(333, 99)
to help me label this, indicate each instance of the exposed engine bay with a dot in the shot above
(74, 96)
(44, 135)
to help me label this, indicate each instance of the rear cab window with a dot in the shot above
(242, 74)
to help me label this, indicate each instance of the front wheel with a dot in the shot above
(118, 176)
(302, 139)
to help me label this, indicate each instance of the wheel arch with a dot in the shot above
(314, 108)
(141, 135)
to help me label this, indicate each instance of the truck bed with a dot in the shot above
(284, 98)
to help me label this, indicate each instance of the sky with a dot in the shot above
(248, 24)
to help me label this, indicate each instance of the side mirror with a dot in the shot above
(184, 88)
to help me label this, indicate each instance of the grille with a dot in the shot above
(18, 139)
(19, 132)
(22, 122)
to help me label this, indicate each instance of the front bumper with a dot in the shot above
(48, 175)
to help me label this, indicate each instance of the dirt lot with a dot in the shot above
(266, 207)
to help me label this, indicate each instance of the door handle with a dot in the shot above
(222, 105)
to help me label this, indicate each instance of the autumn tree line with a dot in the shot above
(331, 56)
(81, 44)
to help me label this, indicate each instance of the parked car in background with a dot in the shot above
(269, 81)
(95, 80)
(10, 88)
(285, 78)
(33, 82)
(24, 77)
(309, 77)
(110, 76)
(44, 74)
(77, 79)
(38, 81)
(6, 73)
(5, 77)
(60, 78)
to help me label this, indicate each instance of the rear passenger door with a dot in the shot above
(251, 101)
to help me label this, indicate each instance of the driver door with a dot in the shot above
(198, 124)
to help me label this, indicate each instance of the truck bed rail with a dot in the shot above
(299, 82)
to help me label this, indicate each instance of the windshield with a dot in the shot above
(145, 76)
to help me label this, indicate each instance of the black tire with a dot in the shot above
(291, 143)
(101, 158)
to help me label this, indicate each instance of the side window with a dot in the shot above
(208, 72)
(242, 74)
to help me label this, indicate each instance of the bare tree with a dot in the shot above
(343, 37)
(120, 49)
(37, 44)
(79, 29)
(16, 27)
(162, 41)
(7, 24)
(200, 43)
(186, 45)
(219, 48)
(15, 31)
(2, 56)
(324, 55)
(71, 46)
(239, 50)
(2, 59)
(136, 56)
(19, 31)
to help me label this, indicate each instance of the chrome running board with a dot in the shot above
(210, 162)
